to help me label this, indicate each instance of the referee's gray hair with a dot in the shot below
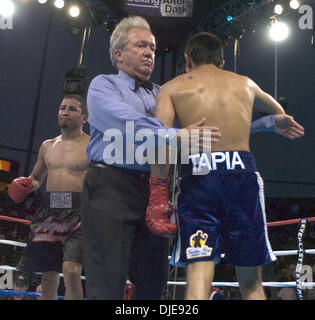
(119, 39)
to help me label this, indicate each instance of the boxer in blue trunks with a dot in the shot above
(221, 197)
(224, 205)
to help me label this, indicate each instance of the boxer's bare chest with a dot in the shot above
(67, 155)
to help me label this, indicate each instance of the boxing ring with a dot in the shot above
(300, 252)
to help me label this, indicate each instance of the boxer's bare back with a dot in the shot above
(224, 98)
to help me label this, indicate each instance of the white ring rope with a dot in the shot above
(13, 243)
(277, 253)
(265, 284)
(215, 284)
(8, 268)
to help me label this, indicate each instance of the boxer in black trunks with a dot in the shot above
(55, 238)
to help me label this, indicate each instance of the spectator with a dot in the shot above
(20, 283)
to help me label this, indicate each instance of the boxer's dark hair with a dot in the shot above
(82, 101)
(205, 48)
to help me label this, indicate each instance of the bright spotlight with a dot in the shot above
(42, 1)
(279, 31)
(278, 9)
(74, 11)
(229, 18)
(59, 4)
(6, 8)
(294, 4)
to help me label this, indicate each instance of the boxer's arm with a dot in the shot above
(165, 112)
(282, 124)
(270, 106)
(159, 208)
(286, 126)
(266, 123)
(21, 186)
(40, 169)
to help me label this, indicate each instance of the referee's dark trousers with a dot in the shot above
(116, 241)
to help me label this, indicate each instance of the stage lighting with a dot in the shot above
(42, 1)
(294, 4)
(278, 9)
(229, 18)
(74, 29)
(75, 81)
(59, 4)
(279, 31)
(6, 8)
(74, 11)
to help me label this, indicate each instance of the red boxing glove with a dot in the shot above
(19, 188)
(128, 291)
(160, 209)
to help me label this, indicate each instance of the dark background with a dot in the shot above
(286, 166)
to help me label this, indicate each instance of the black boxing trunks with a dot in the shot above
(55, 234)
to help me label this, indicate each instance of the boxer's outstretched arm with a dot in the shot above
(286, 126)
(270, 106)
(281, 123)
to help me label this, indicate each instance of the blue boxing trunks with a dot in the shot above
(220, 201)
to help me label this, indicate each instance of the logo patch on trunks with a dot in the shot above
(198, 247)
(61, 200)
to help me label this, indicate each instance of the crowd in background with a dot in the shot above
(281, 238)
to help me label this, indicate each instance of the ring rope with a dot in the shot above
(216, 284)
(277, 253)
(296, 284)
(13, 243)
(8, 268)
(23, 221)
(24, 294)
(265, 284)
(269, 224)
(286, 222)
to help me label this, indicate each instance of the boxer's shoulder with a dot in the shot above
(173, 84)
(46, 144)
(51, 142)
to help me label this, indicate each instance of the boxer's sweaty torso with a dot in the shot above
(66, 163)
(224, 98)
